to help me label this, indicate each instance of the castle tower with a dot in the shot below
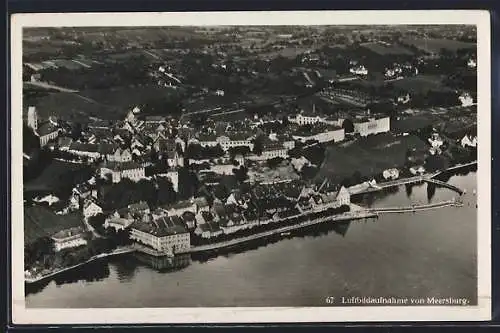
(32, 118)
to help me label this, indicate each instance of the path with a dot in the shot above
(50, 86)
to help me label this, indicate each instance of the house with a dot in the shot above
(117, 223)
(91, 208)
(139, 208)
(390, 174)
(322, 134)
(209, 229)
(403, 99)
(120, 155)
(69, 238)
(235, 139)
(47, 132)
(471, 63)
(466, 99)
(306, 119)
(469, 141)
(370, 126)
(180, 207)
(201, 204)
(189, 219)
(89, 150)
(343, 197)
(359, 70)
(165, 235)
(130, 170)
(435, 140)
(155, 119)
(417, 170)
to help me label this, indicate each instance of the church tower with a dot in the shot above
(32, 118)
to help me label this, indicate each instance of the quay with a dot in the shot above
(344, 217)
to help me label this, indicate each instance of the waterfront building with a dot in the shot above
(165, 235)
(91, 208)
(68, 238)
(370, 126)
(343, 197)
(391, 174)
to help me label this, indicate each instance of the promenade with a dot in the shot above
(344, 217)
(415, 208)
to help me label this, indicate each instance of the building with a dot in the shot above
(91, 208)
(69, 238)
(120, 155)
(359, 70)
(469, 141)
(328, 134)
(271, 149)
(343, 197)
(130, 170)
(235, 139)
(390, 174)
(32, 118)
(306, 119)
(435, 140)
(117, 223)
(89, 150)
(180, 207)
(47, 132)
(471, 63)
(165, 235)
(466, 99)
(173, 177)
(371, 126)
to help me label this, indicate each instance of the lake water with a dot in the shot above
(428, 253)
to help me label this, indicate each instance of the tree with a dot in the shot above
(258, 146)
(97, 221)
(240, 174)
(348, 126)
(166, 193)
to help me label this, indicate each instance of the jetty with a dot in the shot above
(415, 208)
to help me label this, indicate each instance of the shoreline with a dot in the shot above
(65, 269)
(356, 215)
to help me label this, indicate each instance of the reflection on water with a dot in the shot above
(91, 272)
(431, 256)
(163, 264)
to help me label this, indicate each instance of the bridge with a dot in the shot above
(415, 208)
(443, 184)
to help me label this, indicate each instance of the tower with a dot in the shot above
(32, 118)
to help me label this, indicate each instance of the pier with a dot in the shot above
(415, 208)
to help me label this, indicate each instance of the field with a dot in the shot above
(433, 45)
(369, 156)
(382, 49)
(106, 104)
(40, 222)
(58, 178)
(420, 84)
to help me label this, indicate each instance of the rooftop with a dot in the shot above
(164, 226)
